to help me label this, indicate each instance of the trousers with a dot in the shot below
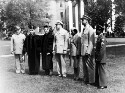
(100, 74)
(88, 69)
(19, 62)
(61, 64)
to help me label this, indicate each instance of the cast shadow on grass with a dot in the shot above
(14, 71)
(69, 76)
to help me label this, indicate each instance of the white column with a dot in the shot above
(82, 12)
(76, 17)
(70, 15)
(113, 15)
(82, 7)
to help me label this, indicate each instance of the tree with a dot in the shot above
(27, 12)
(99, 11)
(120, 20)
(119, 24)
(120, 7)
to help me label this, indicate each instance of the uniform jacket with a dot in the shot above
(75, 45)
(60, 41)
(100, 52)
(17, 42)
(87, 41)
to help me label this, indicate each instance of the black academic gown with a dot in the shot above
(47, 47)
(32, 46)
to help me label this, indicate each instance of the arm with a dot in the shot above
(103, 47)
(54, 43)
(66, 41)
(12, 44)
(91, 41)
(79, 46)
(25, 46)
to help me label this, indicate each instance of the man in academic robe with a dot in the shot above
(47, 49)
(32, 46)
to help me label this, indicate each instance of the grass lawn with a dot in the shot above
(114, 41)
(115, 69)
(18, 83)
(14, 83)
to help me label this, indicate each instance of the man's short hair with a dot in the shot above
(46, 26)
(99, 27)
(74, 29)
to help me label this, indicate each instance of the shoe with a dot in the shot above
(93, 84)
(86, 82)
(102, 87)
(59, 75)
(18, 71)
(47, 72)
(51, 73)
(64, 76)
(23, 71)
(77, 78)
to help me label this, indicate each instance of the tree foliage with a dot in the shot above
(27, 12)
(99, 11)
(120, 20)
(120, 7)
(119, 25)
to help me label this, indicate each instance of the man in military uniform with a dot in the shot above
(100, 58)
(87, 50)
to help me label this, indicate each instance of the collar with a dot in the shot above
(87, 26)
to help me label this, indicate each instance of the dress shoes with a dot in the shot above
(77, 79)
(18, 71)
(23, 71)
(64, 76)
(51, 73)
(59, 75)
(102, 87)
(86, 82)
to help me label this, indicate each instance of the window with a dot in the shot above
(61, 15)
(61, 4)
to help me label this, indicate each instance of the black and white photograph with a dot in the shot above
(62, 46)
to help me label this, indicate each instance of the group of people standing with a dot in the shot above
(58, 43)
